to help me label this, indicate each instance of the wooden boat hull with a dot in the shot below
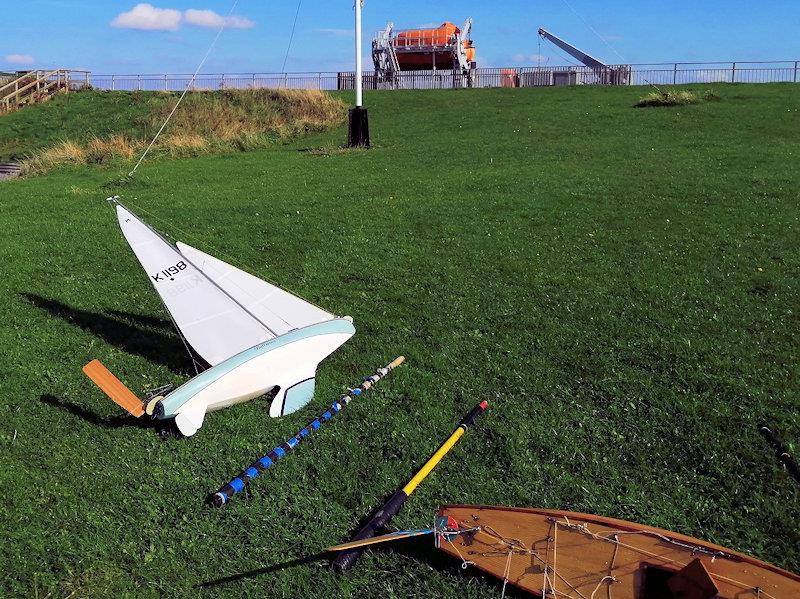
(552, 553)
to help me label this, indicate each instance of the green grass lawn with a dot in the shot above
(620, 283)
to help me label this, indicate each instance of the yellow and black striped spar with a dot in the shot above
(345, 560)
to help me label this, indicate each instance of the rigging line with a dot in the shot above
(539, 52)
(291, 37)
(465, 563)
(506, 573)
(188, 86)
(555, 574)
(518, 547)
(555, 553)
(602, 580)
(633, 548)
(593, 30)
(609, 46)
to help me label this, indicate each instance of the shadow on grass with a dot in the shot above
(781, 451)
(330, 151)
(420, 549)
(146, 336)
(265, 570)
(165, 428)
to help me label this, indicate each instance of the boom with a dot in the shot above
(589, 61)
(606, 75)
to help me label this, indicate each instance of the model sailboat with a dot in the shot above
(254, 335)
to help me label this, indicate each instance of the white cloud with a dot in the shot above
(483, 62)
(147, 17)
(530, 58)
(336, 32)
(208, 18)
(19, 59)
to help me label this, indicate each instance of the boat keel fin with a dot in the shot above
(114, 388)
(298, 395)
(295, 395)
(190, 420)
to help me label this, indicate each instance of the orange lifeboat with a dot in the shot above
(426, 49)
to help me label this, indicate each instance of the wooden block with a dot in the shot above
(693, 582)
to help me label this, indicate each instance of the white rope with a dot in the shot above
(465, 563)
(188, 85)
(555, 554)
(602, 580)
(506, 573)
(584, 528)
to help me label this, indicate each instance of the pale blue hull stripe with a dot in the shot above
(173, 402)
(298, 396)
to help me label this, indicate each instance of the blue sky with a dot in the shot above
(173, 37)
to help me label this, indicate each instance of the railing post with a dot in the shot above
(254, 80)
(165, 82)
(675, 74)
(138, 83)
(112, 83)
(796, 62)
(733, 73)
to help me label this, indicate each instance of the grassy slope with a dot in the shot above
(622, 283)
(77, 117)
(230, 119)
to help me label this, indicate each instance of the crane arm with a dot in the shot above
(589, 61)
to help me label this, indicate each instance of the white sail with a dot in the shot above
(279, 310)
(211, 321)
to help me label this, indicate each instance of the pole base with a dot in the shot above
(358, 129)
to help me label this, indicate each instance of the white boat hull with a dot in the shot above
(288, 362)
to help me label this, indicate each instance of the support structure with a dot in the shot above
(606, 75)
(444, 48)
(384, 57)
(358, 121)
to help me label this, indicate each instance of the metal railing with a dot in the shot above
(676, 73)
(717, 72)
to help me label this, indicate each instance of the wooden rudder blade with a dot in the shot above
(113, 387)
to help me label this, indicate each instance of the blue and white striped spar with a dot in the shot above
(255, 336)
(237, 485)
